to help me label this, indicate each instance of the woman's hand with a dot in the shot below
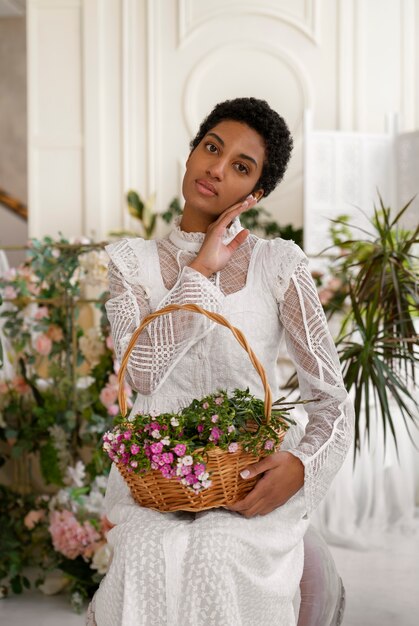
(284, 476)
(214, 254)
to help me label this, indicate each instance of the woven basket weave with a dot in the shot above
(151, 489)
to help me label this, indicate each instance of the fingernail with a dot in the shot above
(245, 474)
(245, 204)
(250, 197)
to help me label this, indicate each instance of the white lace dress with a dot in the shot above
(217, 567)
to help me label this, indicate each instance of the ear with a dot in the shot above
(258, 194)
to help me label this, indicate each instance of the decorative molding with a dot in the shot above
(191, 83)
(309, 27)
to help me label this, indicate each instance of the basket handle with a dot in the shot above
(216, 317)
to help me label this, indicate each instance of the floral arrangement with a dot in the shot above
(73, 521)
(57, 398)
(176, 444)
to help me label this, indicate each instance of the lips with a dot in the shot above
(205, 187)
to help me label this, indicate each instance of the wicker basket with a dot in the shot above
(151, 489)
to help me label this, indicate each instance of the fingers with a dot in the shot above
(267, 463)
(229, 214)
(238, 240)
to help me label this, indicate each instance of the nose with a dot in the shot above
(216, 168)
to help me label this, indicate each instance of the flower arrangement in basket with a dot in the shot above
(191, 460)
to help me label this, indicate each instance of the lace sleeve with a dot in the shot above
(330, 426)
(167, 338)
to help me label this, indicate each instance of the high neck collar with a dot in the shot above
(192, 242)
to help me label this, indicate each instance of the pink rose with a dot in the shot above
(43, 345)
(41, 312)
(108, 396)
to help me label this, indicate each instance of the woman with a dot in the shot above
(241, 565)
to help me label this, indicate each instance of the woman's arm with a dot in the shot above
(166, 339)
(329, 431)
(313, 463)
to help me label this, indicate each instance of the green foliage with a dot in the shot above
(378, 341)
(15, 540)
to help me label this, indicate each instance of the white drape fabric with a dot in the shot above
(218, 567)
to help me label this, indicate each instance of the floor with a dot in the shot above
(382, 588)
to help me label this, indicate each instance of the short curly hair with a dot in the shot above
(272, 127)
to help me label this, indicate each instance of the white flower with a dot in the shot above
(166, 441)
(94, 502)
(43, 383)
(100, 482)
(76, 475)
(207, 483)
(102, 558)
(187, 460)
(84, 382)
(156, 434)
(174, 421)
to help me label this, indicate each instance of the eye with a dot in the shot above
(240, 167)
(211, 148)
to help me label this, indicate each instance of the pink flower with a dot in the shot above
(10, 293)
(55, 333)
(20, 385)
(214, 418)
(41, 312)
(233, 447)
(113, 410)
(199, 468)
(218, 400)
(167, 457)
(32, 518)
(269, 444)
(109, 343)
(180, 449)
(43, 345)
(200, 428)
(205, 405)
(191, 479)
(134, 464)
(156, 448)
(325, 295)
(135, 448)
(215, 434)
(108, 396)
(127, 435)
(71, 538)
(186, 470)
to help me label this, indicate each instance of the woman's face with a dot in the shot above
(224, 168)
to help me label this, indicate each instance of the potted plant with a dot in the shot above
(378, 340)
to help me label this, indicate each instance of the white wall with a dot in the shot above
(117, 88)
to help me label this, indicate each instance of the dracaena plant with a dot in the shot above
(378, 342)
